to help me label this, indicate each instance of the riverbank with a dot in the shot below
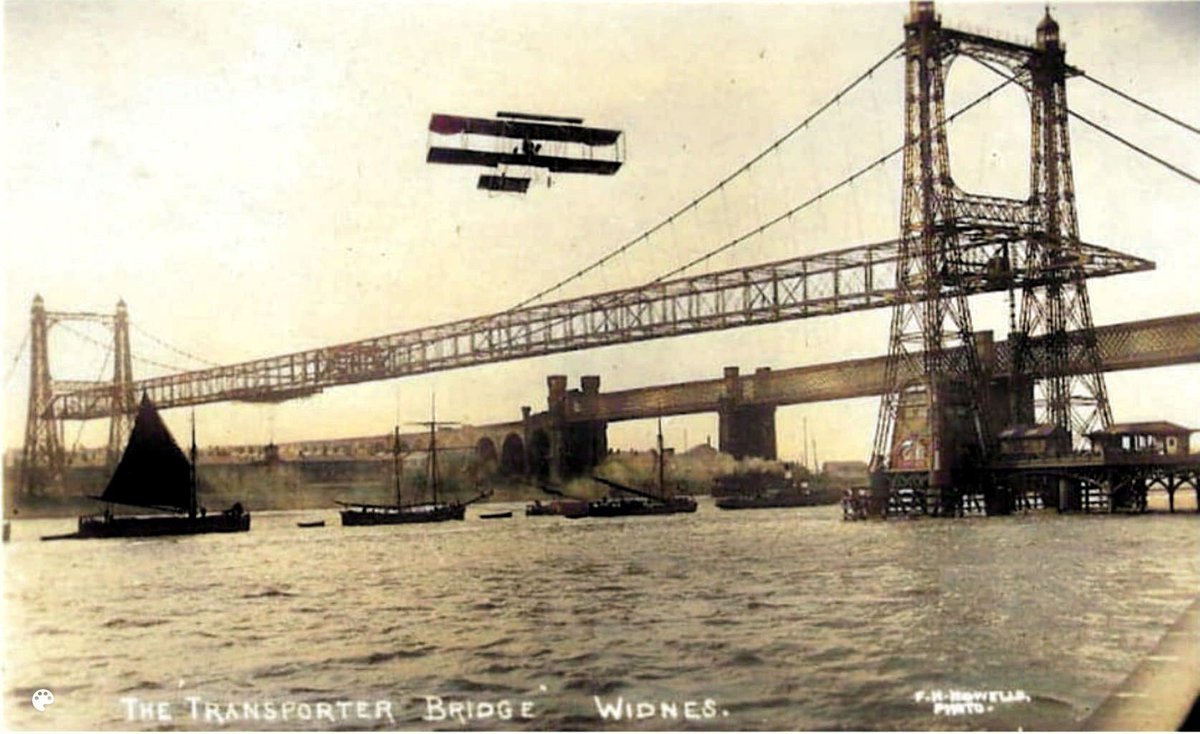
(321, 484)
(1159, 694)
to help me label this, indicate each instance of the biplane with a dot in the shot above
(523, 142)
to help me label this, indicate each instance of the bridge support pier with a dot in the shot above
(1066, 497)
(745, 428)
(575, 447)
(584, 446)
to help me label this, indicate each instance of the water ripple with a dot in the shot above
(785, 620)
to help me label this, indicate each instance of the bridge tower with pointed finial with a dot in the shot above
(42, 458)
(44, 455)
(123, 402)
(938, 420)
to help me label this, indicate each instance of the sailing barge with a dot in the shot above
(155, 474)
(643, 503)
(360, 513)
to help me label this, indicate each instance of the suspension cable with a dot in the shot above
(164, 365)
(1141, 150)
(1099, 127)
(950, 118)
(83, 336)
(1141, 104)
(177, 350)
(12, 370)
(715, 188)
(822, 194)
(138, 358)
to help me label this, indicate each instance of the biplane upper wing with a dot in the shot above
(522, 130)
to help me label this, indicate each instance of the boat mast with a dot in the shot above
(804, 444)
(192, 471)
(662, 489)
(433, 467)
(396, 464)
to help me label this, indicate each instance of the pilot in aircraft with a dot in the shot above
(528, 148)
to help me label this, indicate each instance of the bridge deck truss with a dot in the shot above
(842, 281)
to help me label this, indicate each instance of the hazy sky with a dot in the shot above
(250, 177)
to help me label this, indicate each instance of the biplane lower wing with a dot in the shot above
(576, 165)
(554, 164)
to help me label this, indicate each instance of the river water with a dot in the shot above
(788, 619)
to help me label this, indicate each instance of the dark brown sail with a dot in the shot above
(154, 471)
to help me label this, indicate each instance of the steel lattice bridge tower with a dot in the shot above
(938, 421)
(43, 456)
(941, 409)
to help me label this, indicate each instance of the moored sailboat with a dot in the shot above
(154, 474)
(359, 513)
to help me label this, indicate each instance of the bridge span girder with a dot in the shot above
(995, 259)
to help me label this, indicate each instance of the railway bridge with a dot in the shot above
(570, 435)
